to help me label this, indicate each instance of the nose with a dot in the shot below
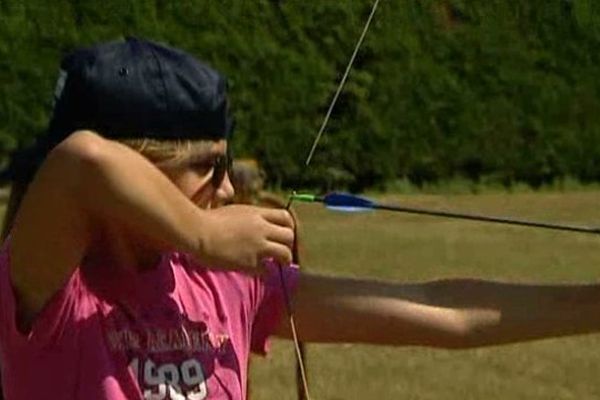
(225, 191)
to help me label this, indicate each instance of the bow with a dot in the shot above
(303, 392)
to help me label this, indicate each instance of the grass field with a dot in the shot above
(404, 248)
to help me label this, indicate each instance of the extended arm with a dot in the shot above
(458, 313)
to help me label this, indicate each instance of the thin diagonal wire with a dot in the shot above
(290, 310)
(341, 84)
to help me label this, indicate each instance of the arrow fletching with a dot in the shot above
(338, 201)
(347, 202)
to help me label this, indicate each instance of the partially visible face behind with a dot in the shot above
(193, 175)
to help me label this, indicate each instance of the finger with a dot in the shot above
(279, 252)
(278, 216)
(281, 235)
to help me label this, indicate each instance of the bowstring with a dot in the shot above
(341, 84)
(290, 311)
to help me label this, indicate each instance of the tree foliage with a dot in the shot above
(496, 91)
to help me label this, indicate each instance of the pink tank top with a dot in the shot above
(179, 331)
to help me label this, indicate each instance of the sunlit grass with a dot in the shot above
(404, 247)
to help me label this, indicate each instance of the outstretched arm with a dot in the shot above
(455, 313)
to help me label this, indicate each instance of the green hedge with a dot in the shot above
(496, 91)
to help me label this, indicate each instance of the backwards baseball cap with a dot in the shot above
(138, 88)
(135, 88)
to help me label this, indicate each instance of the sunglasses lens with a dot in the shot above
(220, 168)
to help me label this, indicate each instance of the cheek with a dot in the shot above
(192, 186)
(186, 187)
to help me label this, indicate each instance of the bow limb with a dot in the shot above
(303, 392)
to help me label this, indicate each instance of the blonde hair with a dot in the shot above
(168, 152)
(171, 153)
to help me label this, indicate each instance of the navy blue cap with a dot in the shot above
(137, 88)
(133, 88)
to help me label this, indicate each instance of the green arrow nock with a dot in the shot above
(306, 198)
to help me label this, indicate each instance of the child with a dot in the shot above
(122, 277)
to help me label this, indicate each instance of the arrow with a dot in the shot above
(351, 203)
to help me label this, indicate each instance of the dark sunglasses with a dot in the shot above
(221, 165)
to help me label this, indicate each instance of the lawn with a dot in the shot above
(405, 248)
